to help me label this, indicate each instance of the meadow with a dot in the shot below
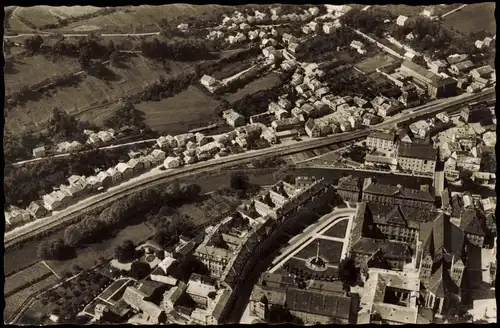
(475, 18)
(266, 82)
(187, 110)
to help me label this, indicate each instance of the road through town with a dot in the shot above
(26, 232)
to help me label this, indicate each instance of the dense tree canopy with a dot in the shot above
(125, 252)
(347, 271)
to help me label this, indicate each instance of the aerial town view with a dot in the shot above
(262, 163)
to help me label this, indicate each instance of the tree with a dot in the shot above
(160, 255)
(488, 162)
(465, 174)
(139, 270)
(33, 43)
(54, 249)
(73, 235)
(347, 271)
(278, 314)
(125, 252)
(239, 181)
(84, 57)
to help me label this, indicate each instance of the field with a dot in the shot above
(187, 110)
(409, 11)
(232, 69)
(338, 230)
(31, 70)
(126, 20)
(30, 275)
(13, 302)
(369, 65)
(141, 19)
(475, 18)
(90, 92)
(213, 208)
(268, 81)
(87, 256)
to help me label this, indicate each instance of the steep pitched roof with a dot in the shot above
(330, 305)
(470, 223)
(419, 151)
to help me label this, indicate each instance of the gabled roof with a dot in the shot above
(441, 239)
(330, 305)
(470, 223)
(396, 217)
(419, 151)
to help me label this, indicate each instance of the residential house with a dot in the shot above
(39, 152)
(482, 72)
(472, 227)
(443, 117)
(183, 139)
(264, 118)
(381, 140)
(316, 128)
(456, 58)
(281, 114)
(329, 28)
(462, 67)
(114, 174)
(293, 47)
(437, 66)
(401, 20)
(210, 83)
(125, 171)
(285, 104)
(36, 209)
(136, 165)
(166, 142)
(420, 128)
(233, 118)
(417, 157)
(349, 188)
(104, 136)
(286, 124)
(51, 202)
(105, 179)
(359, 46)
(171, 162)
(158, 156)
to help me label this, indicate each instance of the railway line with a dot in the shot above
(16, 237)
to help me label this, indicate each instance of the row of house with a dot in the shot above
(79, 187)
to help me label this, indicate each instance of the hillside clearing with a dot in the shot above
(189, 109)
(266, 82)
(475, 18)
(91, 91)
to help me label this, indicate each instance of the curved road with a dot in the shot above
(153, 178)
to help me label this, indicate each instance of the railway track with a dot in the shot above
(218, 164)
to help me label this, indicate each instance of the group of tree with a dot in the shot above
(126, 252)
(278, 314)
(432, 36)
(126, 114)
(356, 153)
(272, 161)
(53, 249)
(181, 49)
(367, 21)
(348, 272)
(488, 162)
(133, 208)
(322, 44)
(239, 181)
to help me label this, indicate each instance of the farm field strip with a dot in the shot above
(473, 18)
(13, 302)
(267, 81)
(29, 275)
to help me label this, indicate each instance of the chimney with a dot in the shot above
(399, 186)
